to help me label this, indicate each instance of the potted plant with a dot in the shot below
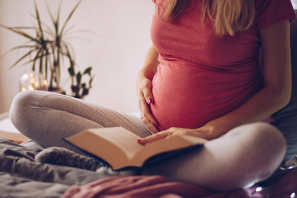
(80, 88)
(47, 48)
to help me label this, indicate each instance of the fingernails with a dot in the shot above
(140, 142)
(149, 101)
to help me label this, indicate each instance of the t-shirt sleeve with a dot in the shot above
(270, 12)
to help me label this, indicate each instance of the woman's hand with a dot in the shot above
(209, 131)
(204, 132)
(145, 98)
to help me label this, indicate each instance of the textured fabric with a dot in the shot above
(22, 177)
(202, 76)
(47, 117)
(157, 186)
(136, 186)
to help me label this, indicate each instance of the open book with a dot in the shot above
(118, 147)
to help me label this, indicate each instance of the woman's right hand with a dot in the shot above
(145, 98)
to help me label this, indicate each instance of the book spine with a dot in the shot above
(104, 163)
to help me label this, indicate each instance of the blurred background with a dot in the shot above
(115, 45)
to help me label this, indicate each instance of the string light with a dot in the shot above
(258, 189)
(292, 195)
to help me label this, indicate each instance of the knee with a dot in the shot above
(21, 105)
(21, 100)
(268, 138)
(269, 146)
(261, 147)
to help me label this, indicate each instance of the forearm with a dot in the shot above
(262, 105)
(150, 63)
(277, 80)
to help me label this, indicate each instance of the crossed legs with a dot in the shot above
(245, 155)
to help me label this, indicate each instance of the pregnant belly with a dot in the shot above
(189, 97)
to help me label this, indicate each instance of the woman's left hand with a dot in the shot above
(205, 132)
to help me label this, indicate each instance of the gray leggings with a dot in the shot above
(48, 117)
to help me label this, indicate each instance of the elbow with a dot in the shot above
(286, 101)
(284, 97)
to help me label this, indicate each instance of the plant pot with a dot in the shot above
(58, 90)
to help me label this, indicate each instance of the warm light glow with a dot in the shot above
(25, 76)
(32, 79)
(292, 195)
(30, 87)
(258, 189)
(45, 82)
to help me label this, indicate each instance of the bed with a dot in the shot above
(21, 176)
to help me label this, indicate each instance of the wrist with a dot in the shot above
(221, 126)
(146, 72)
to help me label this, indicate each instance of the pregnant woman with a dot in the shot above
(216, 70)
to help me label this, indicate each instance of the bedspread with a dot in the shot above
(21, 176)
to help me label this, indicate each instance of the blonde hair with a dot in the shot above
(229, 16)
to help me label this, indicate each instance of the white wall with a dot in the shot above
(294, 2)
(116, 53)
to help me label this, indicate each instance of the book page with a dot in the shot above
(120, 137)
(165, 145)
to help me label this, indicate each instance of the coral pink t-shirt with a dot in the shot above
(201, 76)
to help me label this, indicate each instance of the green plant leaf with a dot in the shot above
(58, 19)
(55, 22)
(70, 15)
(50, 13)
(68, 30)
(33, 66)
(19, 32)
(85, 92)
(88, 71)
(83, 85)
(48, 29)
(71, 71)
(20, 59)
(41, 63)
(58, 74)
(38, 20)
(74, 89)
(90, 81)
(23, 46)
(78, 78)
(18, 47)
(37, 56)
(46, 66)
(68, 54)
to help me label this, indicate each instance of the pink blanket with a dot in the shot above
(158, 186)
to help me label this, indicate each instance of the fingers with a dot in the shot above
(145, 98)
(147, 92)
(146, 116)
(171, 132)
(157, 136)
